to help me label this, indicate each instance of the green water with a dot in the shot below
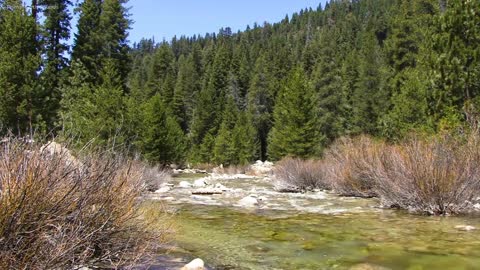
(314, 231)
(231, 239)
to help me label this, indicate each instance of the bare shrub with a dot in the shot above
(350, 164)
(154, 176)
(437, 176)
(293, 175)
(231, 169)
(58, 214)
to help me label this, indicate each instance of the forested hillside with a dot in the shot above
(380, 67)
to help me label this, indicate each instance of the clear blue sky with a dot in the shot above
(166, 18)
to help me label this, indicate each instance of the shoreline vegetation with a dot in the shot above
(436, 175)
(65, 211)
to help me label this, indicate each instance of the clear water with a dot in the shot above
(289, 232)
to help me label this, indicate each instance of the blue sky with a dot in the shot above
(166, 18)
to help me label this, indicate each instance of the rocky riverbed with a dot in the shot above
(242, 222)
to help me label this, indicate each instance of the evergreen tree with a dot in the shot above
(456, 63)
(113, 28)
(295, 131)
(186, 88)
(161, 139)
(327, 82)
(224, 151)
(371, 97)
(161, 72)
(244, 140)
(260, 103)
(87, 46)
(97, 114)
(20, 108)
(56, 34)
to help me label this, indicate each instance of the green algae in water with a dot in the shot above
(231, 239)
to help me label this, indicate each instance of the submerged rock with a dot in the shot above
(465, 228)
(368, 266)
(196, 264)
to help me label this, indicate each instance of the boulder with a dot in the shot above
(200, 183)
(163, 189)
(196, 264)
(184, 184)
(248, 201)
(221, 187)
(261, 168)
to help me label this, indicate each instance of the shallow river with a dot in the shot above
(316, 230)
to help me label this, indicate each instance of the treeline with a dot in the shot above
(379, 67)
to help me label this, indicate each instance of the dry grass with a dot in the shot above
(60, 212)
(293, 175)
(350, 163)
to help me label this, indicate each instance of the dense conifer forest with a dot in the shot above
(384, 68)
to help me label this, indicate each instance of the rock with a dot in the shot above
(207, 191)
(167, 185)
(53, 149)
(367, 266)
(184, 184)
(163, 189)
(248, 201)
(221, 187)
(200, 183)
(465, 228)
(261, 168)
(476, 206)
(196, 264)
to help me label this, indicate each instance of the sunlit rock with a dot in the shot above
(163, 189)
(184, 184)
(248, 201)
(200, 183)
(196, 264)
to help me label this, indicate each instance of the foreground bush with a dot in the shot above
(438, 176)
(60, 212)
(350, 166)
(293, 174)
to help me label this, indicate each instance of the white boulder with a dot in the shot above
(184, 184)
(200, 183)
(196, 264)
(249, 201)
(163, 189)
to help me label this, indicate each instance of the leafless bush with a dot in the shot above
(293, 174)
(350, 164)
(154, 176)
(59, 214)
(231, 169)
(439, 176)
